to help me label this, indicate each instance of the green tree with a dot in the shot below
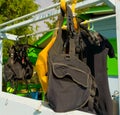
(11, 9)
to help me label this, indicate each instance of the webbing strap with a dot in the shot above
(73, 11)
(72, 47)
(71, 31)
(64, 8)
(63, 5)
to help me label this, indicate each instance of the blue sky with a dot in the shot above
(43, 4)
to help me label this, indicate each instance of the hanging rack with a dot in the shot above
(13, 37)
(118, 44)
(108, 2)
(98, 19)
(32, 14)
(80, 5)
(47, 15)
(40, 17)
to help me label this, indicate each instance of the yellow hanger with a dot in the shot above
(91, 27)
(85, 22)
(63, 5)
(73, 11)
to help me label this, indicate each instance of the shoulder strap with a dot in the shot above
(70, 31)
(9, 66)
(70, 24)
(72, 47)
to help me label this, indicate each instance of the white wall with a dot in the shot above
(106, 27)
(113, 84)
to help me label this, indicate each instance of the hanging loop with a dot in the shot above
(63, 5)
(91, 27)
(73, 11)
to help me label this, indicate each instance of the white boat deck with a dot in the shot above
(15, 105)
(11, 104)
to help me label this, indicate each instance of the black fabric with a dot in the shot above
(95, 49)
(70, 83)
(96, 56)
(92, 49)
(101, 77)
(100, 71)
(18, 67)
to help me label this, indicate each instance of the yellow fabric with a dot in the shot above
(85, 22)
(64, 27)
(75, 23)
(88, 26)
(63, 5)
(73, 11)
(41, 65)
(10, 89)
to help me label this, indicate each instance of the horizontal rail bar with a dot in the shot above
(49, 30)
(14, 37)
(30, 21)
(8, 36)
(79, 5)
(31, 14)
(98, 19)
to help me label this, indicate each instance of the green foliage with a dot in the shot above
(55, 1)
(11, 9)
(7, 43)
(51, 24)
